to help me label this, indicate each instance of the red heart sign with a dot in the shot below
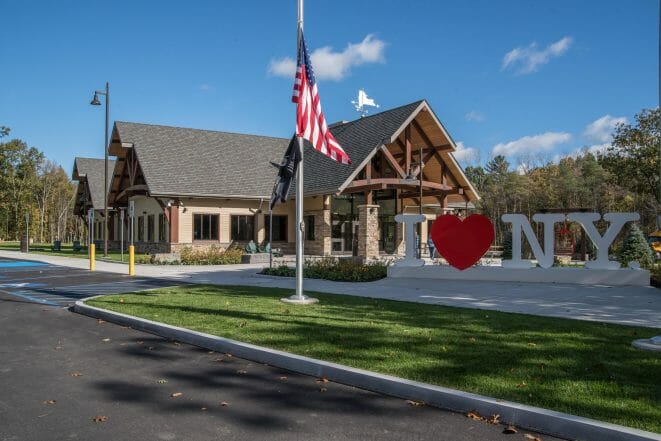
(462, 243)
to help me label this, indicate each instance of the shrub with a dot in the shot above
(334, 269)
(213, 255)
(142, 258)
(635, 248)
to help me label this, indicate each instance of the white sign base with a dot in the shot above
(561, 275)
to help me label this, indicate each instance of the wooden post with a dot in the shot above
(407, 143)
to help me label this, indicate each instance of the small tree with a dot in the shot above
(635, 248)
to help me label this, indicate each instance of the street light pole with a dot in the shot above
(96, 102)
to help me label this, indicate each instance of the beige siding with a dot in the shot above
(145, 206)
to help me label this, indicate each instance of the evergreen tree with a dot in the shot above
(507, 246)
(635, 248)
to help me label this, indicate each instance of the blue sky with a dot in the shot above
(529, 79)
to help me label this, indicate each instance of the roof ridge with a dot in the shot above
(389, 110)
(200, 130)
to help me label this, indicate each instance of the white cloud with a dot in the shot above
(466, 154)
(529, 59)
(330, 65)
(475, 116)
(207, 88)
(601, 130)
(529, 145)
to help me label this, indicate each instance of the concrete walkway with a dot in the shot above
(640, 306)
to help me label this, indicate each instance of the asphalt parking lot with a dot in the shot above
(61, 286)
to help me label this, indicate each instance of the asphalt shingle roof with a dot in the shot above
(92, 168)
(358, 138)
(181, 161)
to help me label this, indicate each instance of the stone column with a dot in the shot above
(321, 245)
(368, 231)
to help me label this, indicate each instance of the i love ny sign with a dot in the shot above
(463, 242)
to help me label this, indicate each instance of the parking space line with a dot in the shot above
(31, 298)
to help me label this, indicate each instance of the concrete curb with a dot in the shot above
(532, 418)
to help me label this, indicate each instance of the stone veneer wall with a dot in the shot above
(368, 231)
(321, 245)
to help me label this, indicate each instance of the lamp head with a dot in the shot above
(95, 100)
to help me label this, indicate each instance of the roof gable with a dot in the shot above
(91, 171)
(359, 139)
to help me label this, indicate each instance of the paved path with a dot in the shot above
(60, 370)
(639, 306)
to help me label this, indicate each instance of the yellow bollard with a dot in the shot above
(92, 256)
(131, 260)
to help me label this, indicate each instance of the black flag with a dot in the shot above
(286, 172)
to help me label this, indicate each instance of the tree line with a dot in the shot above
(35, 193)
(624, 177)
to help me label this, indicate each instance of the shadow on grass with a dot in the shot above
(577, 367)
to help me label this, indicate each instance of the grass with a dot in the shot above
(582, 368)
(67, 251)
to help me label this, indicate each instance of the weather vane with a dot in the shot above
(363, 101)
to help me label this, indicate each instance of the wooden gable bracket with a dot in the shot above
(393, 162)
(436, 153)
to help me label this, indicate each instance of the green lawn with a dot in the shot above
(67, 251)
(578, 367)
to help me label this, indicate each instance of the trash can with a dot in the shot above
(24, 244)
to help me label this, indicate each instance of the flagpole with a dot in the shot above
(299, 297)
(299, 185)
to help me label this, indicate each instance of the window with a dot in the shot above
(162, 228)
(279, 228)
(141, 228)
(309, 227)
(205, 227)
(243, 227)
(150, 228)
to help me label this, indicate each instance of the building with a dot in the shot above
(89, 194)
(197, 188)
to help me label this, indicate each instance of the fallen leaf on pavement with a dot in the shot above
(322, 380)
(100, 419)
(162, 381)
(57, 348)
(224, 403)
(413, 403)
(475, 416)
(76, 374)
(323, 389)
(203, 408)
(176, 394)
(532, 437)
(510, 430)
(241, 372)
(494, 419)
(50, 402)
(106, 339)
(99, 321)
(282, 378)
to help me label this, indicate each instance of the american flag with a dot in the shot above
(310, 120)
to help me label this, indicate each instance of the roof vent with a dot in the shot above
(338, 123)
